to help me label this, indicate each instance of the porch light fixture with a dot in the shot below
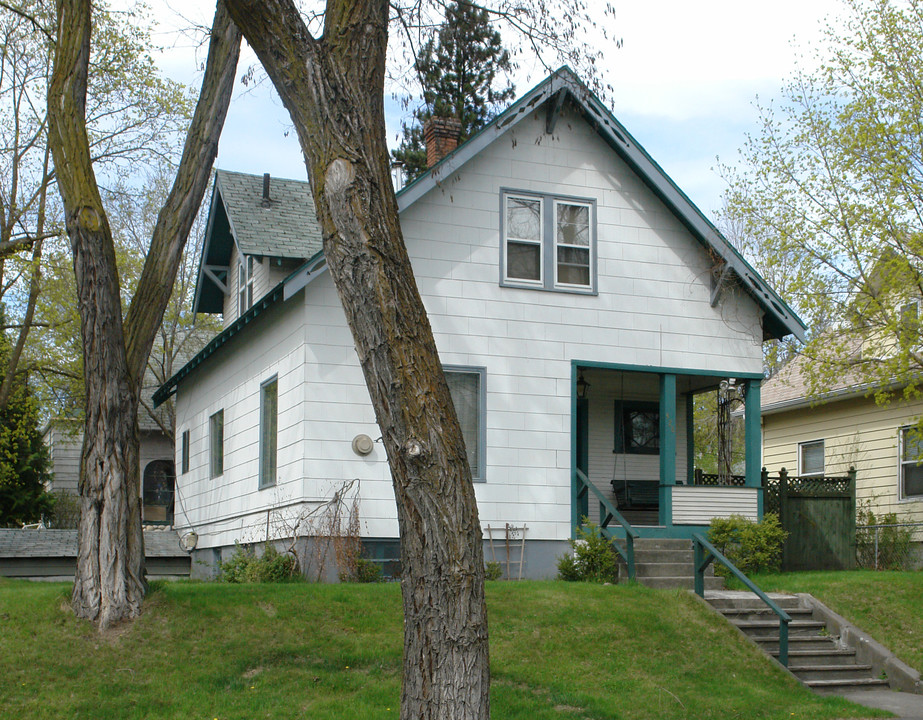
(582, 387)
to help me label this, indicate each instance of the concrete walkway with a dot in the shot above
(906, 706)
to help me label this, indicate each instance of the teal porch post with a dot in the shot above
(690, 438)
(667, 447)
(753, 440)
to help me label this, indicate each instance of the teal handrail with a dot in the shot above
(608, 513)
(705, 553)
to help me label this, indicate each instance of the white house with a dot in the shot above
(555, 259)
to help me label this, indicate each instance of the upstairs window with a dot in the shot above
(244, 284)
(811, 459)
(548, 243)
(911, 468)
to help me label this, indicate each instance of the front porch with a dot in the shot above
(635, 448)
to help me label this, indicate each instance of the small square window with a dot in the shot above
(811, 458)
(637, 428)
(216, 443)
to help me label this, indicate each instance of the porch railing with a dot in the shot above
(608, 513)
(704, 478)
(704, 554)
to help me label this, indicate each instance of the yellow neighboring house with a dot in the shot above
(846, 428)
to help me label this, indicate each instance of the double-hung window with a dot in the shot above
(216, 444)
(548, 242)
(244, 284)
(811, 458)
(466, 386)
(269, 431)
(911, 469)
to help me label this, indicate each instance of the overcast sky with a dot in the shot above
(685, 82)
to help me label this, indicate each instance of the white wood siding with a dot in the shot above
(653, 309)
(698, 505)
(856, 433)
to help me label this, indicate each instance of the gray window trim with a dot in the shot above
(184, 453)
(481, 372)
(549, 238)
(802, 445)
(216, 444)
(265, 482)
(901, 496)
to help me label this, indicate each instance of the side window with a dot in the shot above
(269, 430)
(811, 458)
(467, 387)
(637, 427)
(911, 454)
(184, 459)
(548, 242)
(216, 443)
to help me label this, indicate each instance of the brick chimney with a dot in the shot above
(441, 136)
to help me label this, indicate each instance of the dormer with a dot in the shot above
(259, 230)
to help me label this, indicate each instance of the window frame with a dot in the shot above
(481, 373)
(264, 480)
(622, 409)
(901, 464)
(184, 453)
(216, 444)
(801, 447)
(548, 246)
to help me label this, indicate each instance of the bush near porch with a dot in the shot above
(217, 650)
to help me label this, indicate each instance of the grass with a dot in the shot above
(558, 650)
(886, 604)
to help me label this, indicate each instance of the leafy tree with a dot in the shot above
(24, 462)
(109, 581)
(458, 72)
(830, 195)
(333, 87)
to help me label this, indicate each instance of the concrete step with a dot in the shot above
(769, 628)
(837, 687)
(662, 569)
(809, 673)
(764, 614)
(742, 600)
(662, 544)
(654, 555)
(820, 657)
(796, 643)
(680, 582)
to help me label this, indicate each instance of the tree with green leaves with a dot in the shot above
(24, 461)
(829, 196)
(463, 74)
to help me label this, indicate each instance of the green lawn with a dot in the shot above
(558, 650)
(888, 605)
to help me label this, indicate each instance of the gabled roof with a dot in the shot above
(285, 228)
(297, 218)
(564, 85)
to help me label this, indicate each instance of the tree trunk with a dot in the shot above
(109, 580)
(334, 89)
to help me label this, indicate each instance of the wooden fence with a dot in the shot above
(819, 514)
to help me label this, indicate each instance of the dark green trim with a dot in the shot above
(657, 370)
(574, 501)
(264, 303)
(690, 438)
(667, 446)
(752, 440)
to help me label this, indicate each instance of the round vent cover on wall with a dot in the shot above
(362, 445)
(189, 541)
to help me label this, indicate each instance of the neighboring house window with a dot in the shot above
(637, 427)
(911, 457)
(811, 458)
(184, 460)
(910, 322)
(244, 284)
(157, 492)
(269, 431)
(466, 385)
(216, 443)
(548, 243)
